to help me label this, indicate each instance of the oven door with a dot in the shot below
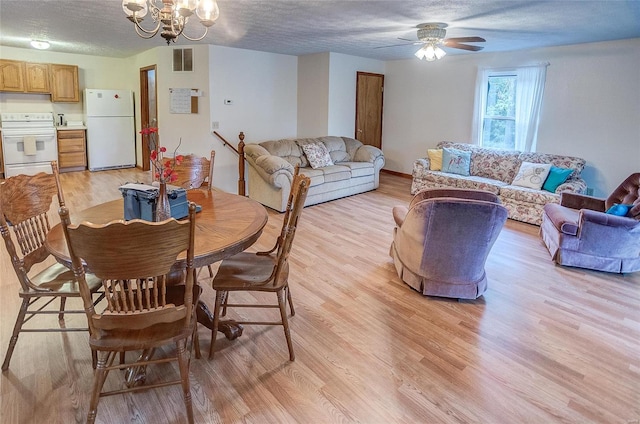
(28, 153)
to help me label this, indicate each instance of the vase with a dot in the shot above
(163, 208)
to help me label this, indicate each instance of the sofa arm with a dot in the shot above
(367, 153)
(579, 201)
(576, 185)
(420, 165)
(270, 167)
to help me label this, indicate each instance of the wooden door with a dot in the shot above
(369, 93)
(148, 109)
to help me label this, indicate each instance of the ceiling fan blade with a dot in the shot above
(414, 42)
(396, 45)
(456, 45)
(466, 39)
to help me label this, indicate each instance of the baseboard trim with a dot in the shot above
(399, 174)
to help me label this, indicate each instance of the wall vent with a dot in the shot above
(182, 60)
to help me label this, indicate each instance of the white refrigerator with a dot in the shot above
(111, 137)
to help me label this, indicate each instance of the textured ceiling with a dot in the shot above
(359, 28)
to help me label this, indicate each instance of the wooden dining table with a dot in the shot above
(226, 225)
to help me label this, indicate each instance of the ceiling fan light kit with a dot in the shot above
(171, 16)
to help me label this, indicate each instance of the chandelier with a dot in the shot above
(171, 16)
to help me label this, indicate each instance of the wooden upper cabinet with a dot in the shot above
(11, 75)
(64, 83)
(37, 77)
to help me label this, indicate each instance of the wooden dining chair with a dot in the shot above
(195, 172)
(262, 271)
(135, 260)
(24, 224)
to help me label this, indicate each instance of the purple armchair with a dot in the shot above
(442, 240)
(579, 233)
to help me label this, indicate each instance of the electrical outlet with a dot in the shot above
(215, 125)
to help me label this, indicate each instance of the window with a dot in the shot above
(508, 103)
(499, 120)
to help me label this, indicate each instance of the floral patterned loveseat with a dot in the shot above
(494, 170)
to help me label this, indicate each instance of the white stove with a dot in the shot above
(28, 143)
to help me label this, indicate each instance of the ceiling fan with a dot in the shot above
(432, 36)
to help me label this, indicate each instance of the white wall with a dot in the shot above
(263, 89)
(313, 95)
(327, 92)
(343, 71)
(590, 108)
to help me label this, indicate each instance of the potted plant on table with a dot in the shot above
(163, 171)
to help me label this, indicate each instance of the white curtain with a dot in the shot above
(480, 105)
(529, 91)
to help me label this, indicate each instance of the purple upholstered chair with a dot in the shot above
(579, 233)
(442, 240)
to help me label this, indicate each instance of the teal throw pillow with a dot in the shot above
(619, 210)
(556, 177)
(456, 161)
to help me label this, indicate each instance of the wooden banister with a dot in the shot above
(240, 152)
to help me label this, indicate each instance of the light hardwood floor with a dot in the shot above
(545, 344)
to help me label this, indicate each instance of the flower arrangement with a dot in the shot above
(164, 167)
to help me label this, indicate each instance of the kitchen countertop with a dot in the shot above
(69, 127)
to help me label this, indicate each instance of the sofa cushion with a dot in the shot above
(556, 177)
(317, 155)
(359, 169)
(316, 175)
(337, 149)
(456, 161)
(531, 175)
(335, 173)
(528, 195)
(435, 159)
(287, 149)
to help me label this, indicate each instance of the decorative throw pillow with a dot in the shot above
(435, 159)
(619, 209)
(531, 175)
(317, 155)
(556, 177)
(456, 161)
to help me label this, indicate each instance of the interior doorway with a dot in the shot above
(369, 93)
(148, 109)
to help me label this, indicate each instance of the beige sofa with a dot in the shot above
(356, 170)
(493, 170)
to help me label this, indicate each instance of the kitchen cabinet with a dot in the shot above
(36, 77)
(11, 75)
(64, 83)
(72, 150)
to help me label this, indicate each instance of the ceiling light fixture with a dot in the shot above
(430, 52)
(171, 15)
(432, 35)
(40, 45)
